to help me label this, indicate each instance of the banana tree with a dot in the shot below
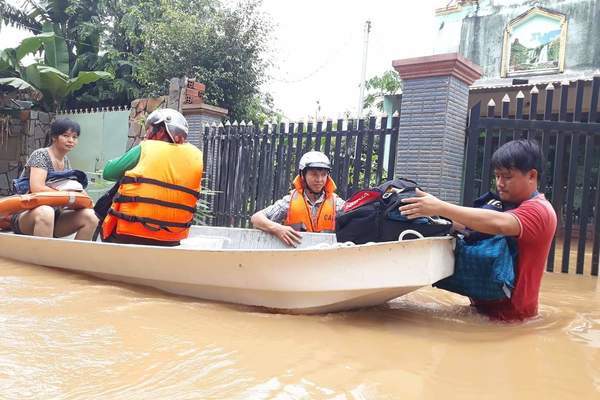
(50, 79)
(78, 20)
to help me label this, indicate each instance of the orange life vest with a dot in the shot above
(300, 210)
(157, 199)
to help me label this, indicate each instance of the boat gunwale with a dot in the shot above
(335, 247)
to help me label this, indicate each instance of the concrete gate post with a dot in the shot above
(433, 116)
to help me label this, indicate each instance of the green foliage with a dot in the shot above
(45, 78)
(219, 46)
(261, 110)
(16, 83)
(144, 43)
(203, 206)
(378, 86)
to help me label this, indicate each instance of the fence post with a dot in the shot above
(431, 139)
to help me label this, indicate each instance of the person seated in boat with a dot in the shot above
(47, 221)
(517, 166)
(311, 206)
(158, 185)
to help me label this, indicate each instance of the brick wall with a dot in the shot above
(432, 133)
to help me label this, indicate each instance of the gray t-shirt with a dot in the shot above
(40, 158)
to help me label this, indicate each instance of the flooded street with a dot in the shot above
(67, 336)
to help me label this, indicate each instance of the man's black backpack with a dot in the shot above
(371, 215)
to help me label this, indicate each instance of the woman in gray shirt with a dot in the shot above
(47, 221)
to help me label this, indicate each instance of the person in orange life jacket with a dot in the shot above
(47, 221)
(517, 166)
(311, 205)
(159, 184)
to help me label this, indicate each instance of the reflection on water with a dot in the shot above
(67, 336)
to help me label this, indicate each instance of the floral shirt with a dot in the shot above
(40, 158)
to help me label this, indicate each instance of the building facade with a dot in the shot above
(522, 43)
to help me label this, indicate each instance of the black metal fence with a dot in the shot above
(570, 143)
(250, 167)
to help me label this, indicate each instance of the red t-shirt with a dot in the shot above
(538, 225)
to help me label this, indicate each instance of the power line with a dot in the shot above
(328, 61)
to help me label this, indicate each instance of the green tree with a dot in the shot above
(144, 43)
(378, 86)
(79, 22)
(48, 77)
(224, 48)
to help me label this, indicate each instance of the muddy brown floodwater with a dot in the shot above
(68, 336)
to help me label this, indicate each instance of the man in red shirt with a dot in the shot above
(517, 166)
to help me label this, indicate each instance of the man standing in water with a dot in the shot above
(311, 206)
(517, 167)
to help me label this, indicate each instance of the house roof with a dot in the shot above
(494, 83)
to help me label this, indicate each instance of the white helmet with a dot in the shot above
(314, 159)
(175, 123)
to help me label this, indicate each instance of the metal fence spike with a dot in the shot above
(221, 125)
(227, 123)
(550, 86)
(243, 123)
(534, 90)
(565, 83)
(506, 98)
(520, 95)
(491, 103)
(235, 123)
(250, 123)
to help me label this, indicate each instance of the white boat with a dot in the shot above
(246, 266)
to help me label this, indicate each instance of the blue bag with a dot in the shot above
(21, 185)
(483, 270)
(484, 266)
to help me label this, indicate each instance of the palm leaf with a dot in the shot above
(32, 44)
(14, 16)
(52, 82)
(84, 78)
(8, 59)
(16, 83)
(56, 53)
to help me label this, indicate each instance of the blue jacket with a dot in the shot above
(21, 185)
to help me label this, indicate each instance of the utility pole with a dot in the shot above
(317, 110)
(363, 73)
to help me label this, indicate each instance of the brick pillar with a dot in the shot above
(200, 115)
(433, 119)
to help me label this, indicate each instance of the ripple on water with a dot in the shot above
(585, 328)
(67, 336)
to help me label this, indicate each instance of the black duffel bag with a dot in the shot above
(371, 215)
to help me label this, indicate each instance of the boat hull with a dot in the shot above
(310, 280)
